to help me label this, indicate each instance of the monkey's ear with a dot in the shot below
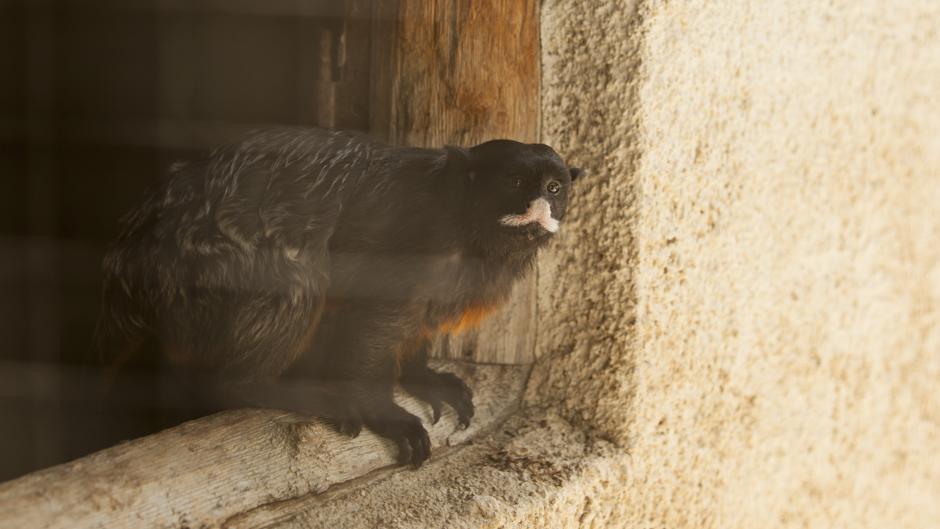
(458, 161)
(575, 173)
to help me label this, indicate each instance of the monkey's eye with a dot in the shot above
(515, 181)
(553, 187)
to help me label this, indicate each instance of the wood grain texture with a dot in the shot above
(448, 73)
(233, 469)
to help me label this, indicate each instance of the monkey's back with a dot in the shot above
(227, 261)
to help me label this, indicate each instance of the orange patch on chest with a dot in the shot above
(471, 317)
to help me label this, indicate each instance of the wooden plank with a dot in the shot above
(383, 68)
(343, 55)
(462, 75)
(448, 73)
(233, 469)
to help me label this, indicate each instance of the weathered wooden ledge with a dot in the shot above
(204, 472)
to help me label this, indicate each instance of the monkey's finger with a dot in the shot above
(466, 389)
(459, 396)
(421, 445)
(404, 451)
(436, 407)
(465, 411)
(463, 421)
(455, 384)
(349, 426)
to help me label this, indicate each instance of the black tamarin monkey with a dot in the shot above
(334, 252)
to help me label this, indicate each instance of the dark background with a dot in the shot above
(97, 98)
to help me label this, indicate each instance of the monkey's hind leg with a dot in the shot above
(362, 343)
(312, 398)
(436, 388)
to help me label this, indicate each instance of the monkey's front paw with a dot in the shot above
(437, 388)
(393, 422)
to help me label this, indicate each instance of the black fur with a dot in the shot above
(332, 254)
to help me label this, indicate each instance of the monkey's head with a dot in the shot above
(518, 193)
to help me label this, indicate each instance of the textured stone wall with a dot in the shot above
(747, 296)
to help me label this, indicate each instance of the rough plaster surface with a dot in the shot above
(748, 299)
(587, 299)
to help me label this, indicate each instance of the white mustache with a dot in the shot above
(539, 211)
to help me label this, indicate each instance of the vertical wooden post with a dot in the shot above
(342, 44)
(353, 62)
(461, 72)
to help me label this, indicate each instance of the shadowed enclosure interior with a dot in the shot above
(101, 96)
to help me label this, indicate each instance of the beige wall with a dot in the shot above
(748, 295)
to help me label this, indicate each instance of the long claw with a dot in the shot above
(438, 388)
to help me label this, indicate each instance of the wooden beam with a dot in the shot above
(240, 468)
(456, 72)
